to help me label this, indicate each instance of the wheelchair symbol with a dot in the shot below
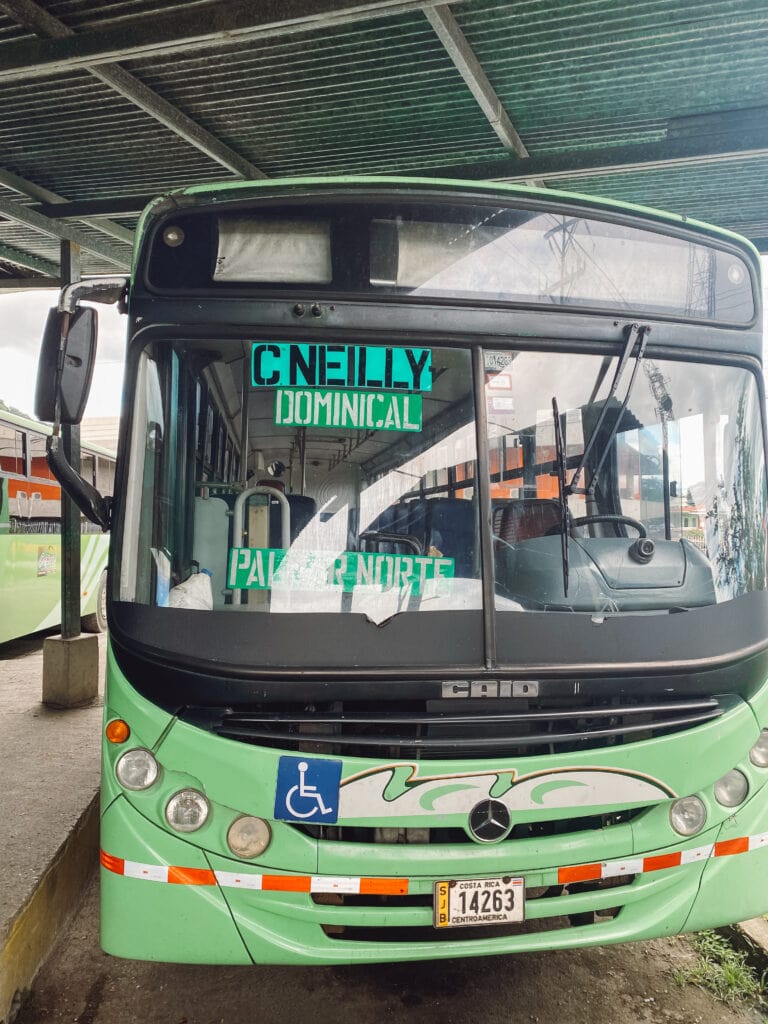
(302, 793)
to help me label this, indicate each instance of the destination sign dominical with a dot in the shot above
(349, 367)
(348, 410)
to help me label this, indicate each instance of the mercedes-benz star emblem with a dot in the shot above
(489, 821)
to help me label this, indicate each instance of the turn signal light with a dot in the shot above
(117, 731)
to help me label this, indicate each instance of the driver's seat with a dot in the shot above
(525, 518)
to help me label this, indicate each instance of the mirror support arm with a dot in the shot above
(107, 290)
(90, 502)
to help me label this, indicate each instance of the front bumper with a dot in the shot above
(164, 898)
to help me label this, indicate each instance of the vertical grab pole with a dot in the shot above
(238, 522)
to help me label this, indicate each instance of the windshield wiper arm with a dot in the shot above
(562, 492)
(641, 340)
(635, 333)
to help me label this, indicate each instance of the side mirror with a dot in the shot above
(66, 363)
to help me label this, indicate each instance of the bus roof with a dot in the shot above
(44, 428)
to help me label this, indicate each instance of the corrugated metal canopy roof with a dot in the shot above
(106, 102)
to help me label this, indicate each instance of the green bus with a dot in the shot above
(437, 608)
(30, 533)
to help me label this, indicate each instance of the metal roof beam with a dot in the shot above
(471, 70)
(30, 15)
(180, 124)
(119, 206)
(217, 22)
(731, 142)
(52, 199)
(25, 284)
(62, 230)
(26, 261)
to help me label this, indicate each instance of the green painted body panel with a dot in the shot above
(733, 888)
(178, 923)
(283, 927)
(30, 569)
(30, 563)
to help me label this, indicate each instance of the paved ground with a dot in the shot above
(50, 769)
(618, 985)
(49, 776)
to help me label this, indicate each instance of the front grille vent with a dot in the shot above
(441, 836)
(393, 931)
(426, 729)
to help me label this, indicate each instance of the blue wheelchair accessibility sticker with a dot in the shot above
(307, 790)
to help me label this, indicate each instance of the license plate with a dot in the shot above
(471, 901)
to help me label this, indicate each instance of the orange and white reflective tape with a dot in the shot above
(642, 865)
(399, 886)
(247, 880)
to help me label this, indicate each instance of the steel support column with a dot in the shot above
(70, 661)
(70, 513)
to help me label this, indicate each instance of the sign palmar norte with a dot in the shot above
(263, 568)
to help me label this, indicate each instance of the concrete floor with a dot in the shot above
(630, 984)
(49, 777)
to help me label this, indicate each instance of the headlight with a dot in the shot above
(732, 789)
(187, 810)
(137, 769)
(248, 837)
(687, 815)
(759, 753)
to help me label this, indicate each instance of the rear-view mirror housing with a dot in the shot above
(65, 368)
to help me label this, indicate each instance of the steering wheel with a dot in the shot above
(611, 518)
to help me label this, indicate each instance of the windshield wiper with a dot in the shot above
(635, 334)
(562, 492)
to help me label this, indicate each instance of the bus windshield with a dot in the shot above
(273, 477)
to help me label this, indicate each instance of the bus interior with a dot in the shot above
(292, 500)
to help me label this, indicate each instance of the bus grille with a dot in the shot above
(426, 729)
(576, 822)
(555, 919)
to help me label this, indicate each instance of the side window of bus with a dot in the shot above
(44, 491)
(12, 465)
(12, 449)
(105, 475)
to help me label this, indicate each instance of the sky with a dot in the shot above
(22, 318)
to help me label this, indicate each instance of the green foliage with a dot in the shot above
(720, 969)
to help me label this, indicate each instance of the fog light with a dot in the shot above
(732, 789)
(187, 810)
(759, 753)
(687, 815)
(248, 837)
(137, 769)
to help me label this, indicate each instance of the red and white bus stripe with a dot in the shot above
(247, 880)
(399, 886)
